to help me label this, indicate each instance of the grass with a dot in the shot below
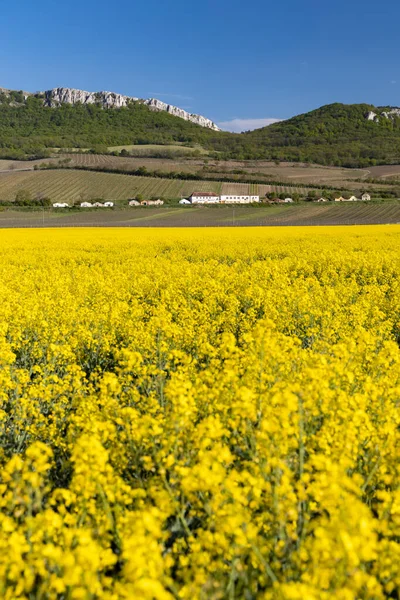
(202, 216)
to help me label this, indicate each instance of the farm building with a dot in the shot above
(184, 201)
(342, 199)
(152, 202)
(96, 204)
(289, 200)
(366, 197)
(228, 199)
(203, 198)
(134, 203)
(60, 205)
(322, 199)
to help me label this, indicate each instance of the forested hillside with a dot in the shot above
(28, 127)
(336, 134)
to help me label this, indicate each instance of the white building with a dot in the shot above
(289, 200)
(322, 199)
(229, 199)
(204, 198)
(134, 203)
(152, 202)
(86, 205)
(184, 201)
(365, 197)
(60, 205)
(108, 204)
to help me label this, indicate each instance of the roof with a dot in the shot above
(204, 194)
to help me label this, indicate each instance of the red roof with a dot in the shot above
(203, 194)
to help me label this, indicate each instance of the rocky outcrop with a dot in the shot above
(58, 96)
(390, 114)
(386, 114)
(155, 104)
(62, 95)
(371, 116)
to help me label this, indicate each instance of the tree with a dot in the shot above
(311, 196)
(42, 200)
(23, 197)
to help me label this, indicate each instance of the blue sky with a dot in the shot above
(237, 62)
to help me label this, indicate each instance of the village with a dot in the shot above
(212, 198)
(194, 198)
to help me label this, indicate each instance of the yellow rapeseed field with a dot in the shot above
(200, 414)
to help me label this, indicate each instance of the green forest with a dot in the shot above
(29, 127)
(335, 134)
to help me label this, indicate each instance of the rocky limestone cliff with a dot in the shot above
(155, 104)
(62, 95)
(386, 114)
(58, 96)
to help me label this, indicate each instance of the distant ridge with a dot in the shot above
(347, 135)
(63, 95)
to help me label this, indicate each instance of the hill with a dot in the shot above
(28, 126)
(354, 135)
(358, 135)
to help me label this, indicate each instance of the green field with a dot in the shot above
(205, 216)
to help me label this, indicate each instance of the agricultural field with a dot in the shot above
(206, 216)
(292, 177)
(203, 413)
(128, 163)
(15, 165)
(144, 149)
(292, 174)
(69, 185)
(385, 172)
